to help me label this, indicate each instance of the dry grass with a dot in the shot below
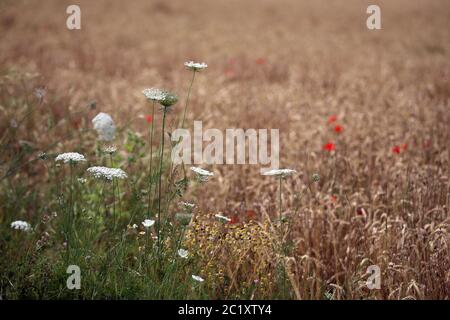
(287, 65)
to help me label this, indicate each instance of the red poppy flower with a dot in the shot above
(250, 214)
(329, 146)
(338, 129)
(332, 119)
(404, 146)
(396, 149)
(261, 61)
(234, 219)
(149, 118)
(333, 198)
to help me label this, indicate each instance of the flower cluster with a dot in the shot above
(70, 157)
(147, 223)
(21, 225)
(154, 94)
(202, 175)
(107, 173)
(195, 66)
(283, 173)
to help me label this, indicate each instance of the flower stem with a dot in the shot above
(151, 162)
(187, 99)
(160, 180)
(280, 200)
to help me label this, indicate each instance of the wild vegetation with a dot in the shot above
(85, 171)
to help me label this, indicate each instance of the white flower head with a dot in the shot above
(202, 174)
(110, 149)
(21, 225)
(195, 66)
(187, 205)
(283, 173)
(104, 125)
(147, 223)
(154, 94)
(107, 173)
(40, 93)
(223, 218)
(197, 278)
(70, 157)
(183, 253)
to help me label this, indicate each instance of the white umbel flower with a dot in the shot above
(187, 205)
(280, 173)
(183, 253)
(147, 223)
(107, 173)
(154, 94)
(70, 157)
(104, 125)
(21, 225)
(110, 149)
(202, 174)
(197, 278)
(195, 66)
(223, 218)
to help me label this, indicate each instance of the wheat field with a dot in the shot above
(363, 118)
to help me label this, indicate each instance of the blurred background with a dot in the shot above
(286, 64)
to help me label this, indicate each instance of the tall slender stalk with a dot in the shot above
(281, 178)
(151, 162)
(160, 179)
(187, 98)
(70, 215)
(114, 195)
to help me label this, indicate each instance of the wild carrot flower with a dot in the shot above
(104, 125)
(70, 157)
(187, 205)
(279, 173)
(202, 175)
(154, 94)
(147, 223)
(107, 173)
(183, 253)
(21, 225)
(169, 100)
(110, 149)
(197, 278)
(329, 147)
(40, 93)
(195, 66)
(223, 218)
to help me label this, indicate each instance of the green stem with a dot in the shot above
(160, 180)
(114, 194)
(151, 163)
(187, 99)
(280, 200)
